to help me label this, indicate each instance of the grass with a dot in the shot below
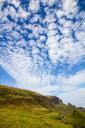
(22, 118)
(26, 109)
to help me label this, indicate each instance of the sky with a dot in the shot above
(42, 47)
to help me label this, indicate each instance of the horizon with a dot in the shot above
(42, 47)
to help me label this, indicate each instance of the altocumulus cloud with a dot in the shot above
(41, 42)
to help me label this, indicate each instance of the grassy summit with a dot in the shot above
(26, 109)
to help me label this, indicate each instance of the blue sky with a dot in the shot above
(42, 47)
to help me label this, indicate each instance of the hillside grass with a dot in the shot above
(26, 109)
(21, 118)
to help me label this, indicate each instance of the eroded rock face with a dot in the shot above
(56, 100)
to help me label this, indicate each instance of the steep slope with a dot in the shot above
(13, 96)
(26, 109)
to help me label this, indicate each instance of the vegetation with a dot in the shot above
(25, 109)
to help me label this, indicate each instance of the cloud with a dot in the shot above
(73, 81)
(48, 2)
(60, 48)
(57, 44)
(34, 5)
(69, 6)
(22, 13)
(61, 83)
(48, 90)
(51, 2)
(75, 97)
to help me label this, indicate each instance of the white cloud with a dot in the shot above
(47, 90)
(73, 81)
(34, 5)
(1, 2)
(15, 2)
(52, 26)
(48, 2)
(64, 84)
(59, 51)
(51, 2)
(52, 48)
(69, 5)
(79, 36)
(75, 97)
(22, 13)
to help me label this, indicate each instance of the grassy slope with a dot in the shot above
(26, 109)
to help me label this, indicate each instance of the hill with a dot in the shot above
(13, 96)
(26, 109)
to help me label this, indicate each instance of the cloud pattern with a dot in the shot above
(40, 41)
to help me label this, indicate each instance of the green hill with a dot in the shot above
(26, 109)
